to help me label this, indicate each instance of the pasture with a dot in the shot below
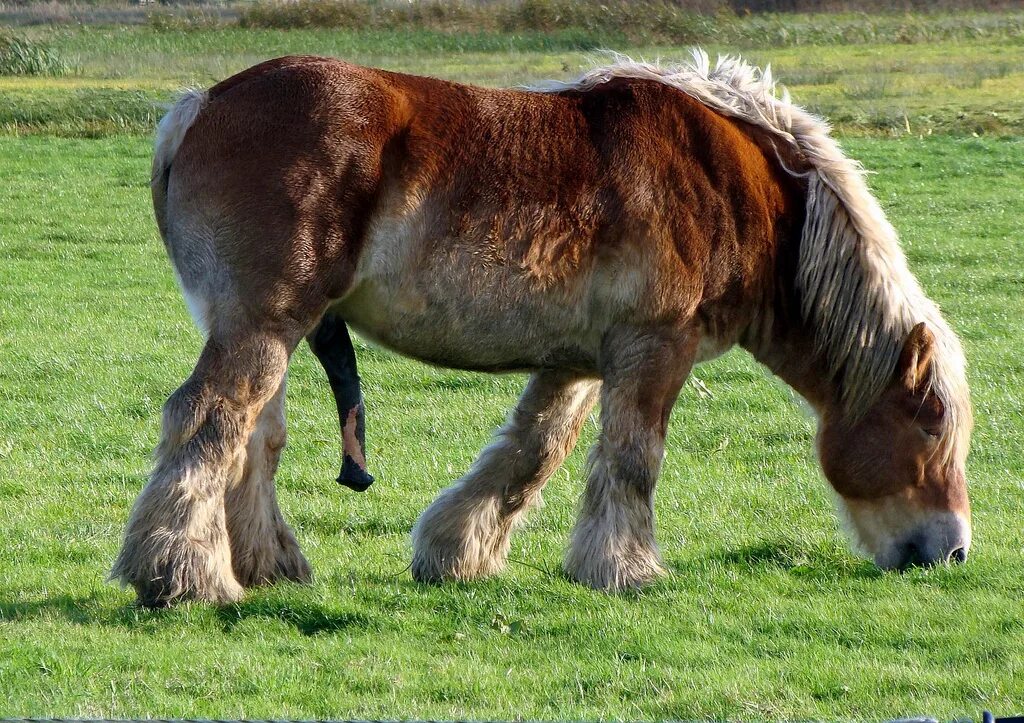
(767, 614)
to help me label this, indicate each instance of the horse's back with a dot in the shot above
(522, 224)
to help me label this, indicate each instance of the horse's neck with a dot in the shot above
(781, 340)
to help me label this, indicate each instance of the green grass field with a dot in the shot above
(766, 613)
(969, 80)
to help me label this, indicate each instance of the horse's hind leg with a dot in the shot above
(464, 534)
(176, 543)
(263, 547)
(612, 545)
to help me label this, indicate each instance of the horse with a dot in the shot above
(604, 234)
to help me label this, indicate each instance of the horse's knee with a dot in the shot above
(224, 394)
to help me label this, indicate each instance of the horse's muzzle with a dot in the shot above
(914, 555)
(944, 540)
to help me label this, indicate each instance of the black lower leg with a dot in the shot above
(331, 344)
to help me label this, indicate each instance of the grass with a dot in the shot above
(21, 57)
(122, 74)
(640, 21)
(766, 614)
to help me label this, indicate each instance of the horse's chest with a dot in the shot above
(711, 347)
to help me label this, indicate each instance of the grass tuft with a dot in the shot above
(19, 56)
(192, 18)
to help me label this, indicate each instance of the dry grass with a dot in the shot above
(646, 21)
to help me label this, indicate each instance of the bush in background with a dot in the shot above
(645, 20)
(652, 20)
(307, 14)
(614, 22)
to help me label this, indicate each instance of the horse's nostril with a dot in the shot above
(958, 555)
(911, 556)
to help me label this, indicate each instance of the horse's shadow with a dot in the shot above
(812, 563)
(88, 609)
(307, 617)
(292, 605)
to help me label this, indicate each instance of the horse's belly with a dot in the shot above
(480, 328)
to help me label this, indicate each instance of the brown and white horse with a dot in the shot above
(605, 234)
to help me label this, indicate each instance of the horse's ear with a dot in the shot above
(915, 365)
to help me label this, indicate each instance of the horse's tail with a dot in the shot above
(170, 132)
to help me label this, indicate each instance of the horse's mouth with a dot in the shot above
(942, 541)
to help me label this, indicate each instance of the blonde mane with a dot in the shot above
(855, 288)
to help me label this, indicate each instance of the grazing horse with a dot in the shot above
(604, 234)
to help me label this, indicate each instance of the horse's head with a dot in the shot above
(899, 468)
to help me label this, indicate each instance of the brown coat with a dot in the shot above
(608, 233)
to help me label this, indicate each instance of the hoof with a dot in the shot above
(458, 540)
(353, 476)
(434, 566)
(612, 567)
(616, 575)
(155, 594)
(187, 572)
(292, 564)
(269, 557)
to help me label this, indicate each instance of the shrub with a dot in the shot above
(307, 14)
(650, 20)
(641, 20)
(193, 18)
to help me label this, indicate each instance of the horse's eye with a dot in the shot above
(931, 435)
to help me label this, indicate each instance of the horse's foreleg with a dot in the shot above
(263, 546)
(332, 345)
(464, 534)
(612, 545)
(176, 542)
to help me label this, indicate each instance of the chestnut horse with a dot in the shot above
(604, 234)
